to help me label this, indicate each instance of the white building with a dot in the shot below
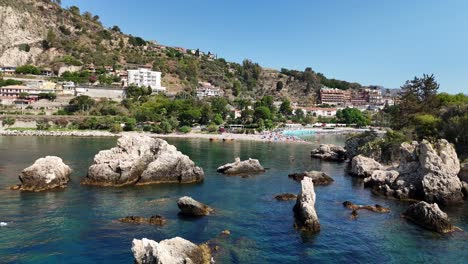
(208, 90)
(146, 77)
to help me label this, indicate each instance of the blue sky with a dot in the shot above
(367, 41)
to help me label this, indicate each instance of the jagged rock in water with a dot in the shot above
(170, 251)
(429, 216)
(190, 207)
(142, 160)
(319, 177)
(153, 220)
(304, 209)
(329, 152)
(46, 173)
(426, 172)
(363, 167)
(286, 197)
(244, 167)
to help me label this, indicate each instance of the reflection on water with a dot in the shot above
(77, 225)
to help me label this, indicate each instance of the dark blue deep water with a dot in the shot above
(77, 224)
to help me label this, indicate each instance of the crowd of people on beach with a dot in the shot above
(279, 137)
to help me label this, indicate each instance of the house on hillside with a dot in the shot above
(145, 77)
(206, 89)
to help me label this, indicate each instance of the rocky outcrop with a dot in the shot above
(153, 220)
(238, 167)
(318, 177)
(142, 160)
(423, 171)
(304, 210)
(191, 207)
(429, 216)
(463, 174)
(46, 173)
(170, 251)
(329, 152)
(363, 167)
(355, 143)
(286, 197)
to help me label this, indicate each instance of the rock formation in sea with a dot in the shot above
(190, 207)
(463, 174)
(238, 167)
(329, 152)
(46, 173)
(319, 177)
(423, 171)
(354, 146)
(304, 209)
(363, 167)
(142, 160)
(170, 251)
(153, 220)
(286, 197)
(429, 216)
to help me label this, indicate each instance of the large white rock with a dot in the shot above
(46, 173)
(363, 167)
(304, 210)
(142, 160)
(170, 251)
(329, 152)
(241, 167)
(423, 171)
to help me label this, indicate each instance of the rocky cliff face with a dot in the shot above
(22, 24)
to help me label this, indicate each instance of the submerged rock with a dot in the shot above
(46, 173)
(329, 152)
(429, 216)
(170, 251)
(318, 177)
(153, 220)
(304, 210)
(142, 160)
(239, 167)
(377, 208)
(286, 197)
(190, 207)
(422, 171)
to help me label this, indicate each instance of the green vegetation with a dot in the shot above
(28, 69)
(8, 121)
(352, 116)
(8, 82)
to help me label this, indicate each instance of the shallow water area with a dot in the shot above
(78, 224)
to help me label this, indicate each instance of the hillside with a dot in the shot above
(42, 33)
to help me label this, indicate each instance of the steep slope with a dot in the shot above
(42, 33)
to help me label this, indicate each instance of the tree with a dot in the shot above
(262, 112)
(352, 116)
(74, 10)
(189, 117)
(80, 103)
(42, 125)
(8, 121)
(28, 69)
(116, 29)
(23, 95)
(418, 96)
(285, 107)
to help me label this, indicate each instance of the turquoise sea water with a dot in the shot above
(77, 224)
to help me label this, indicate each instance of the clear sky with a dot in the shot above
(367, 41)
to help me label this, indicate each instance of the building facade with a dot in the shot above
(208, 90)
(146, 77)
(334, 96)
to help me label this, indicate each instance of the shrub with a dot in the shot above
(212, 128)
(185, 129)
(8, 121)
(42, 125)
(116, 128)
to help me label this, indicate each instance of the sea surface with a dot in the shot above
(78, 224)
